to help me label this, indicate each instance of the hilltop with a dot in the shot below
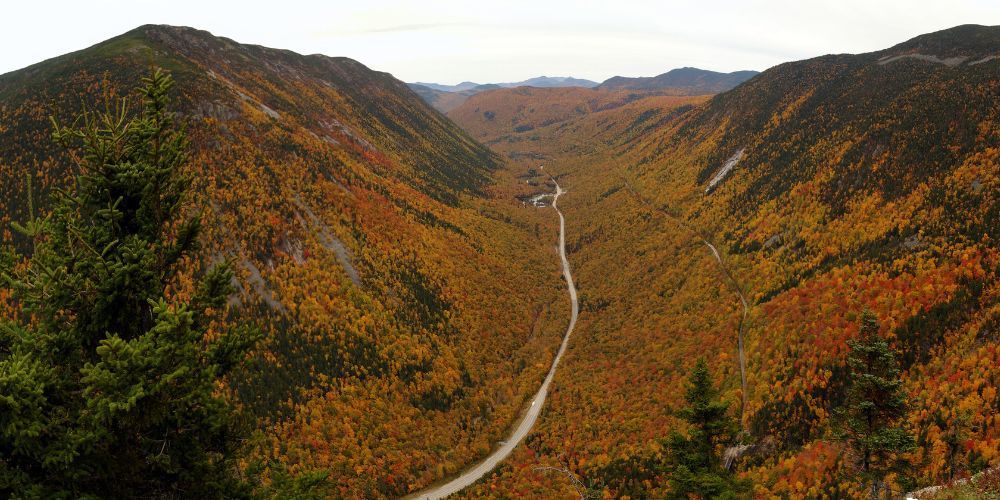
(681, 81)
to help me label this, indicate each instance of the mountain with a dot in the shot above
(449, 88)
(538, 81)
(412, 301)
(825, 187)
(679, 82)
(408, 309)
(445, 101)
(551, 81)
(682, 81)
(445, 98)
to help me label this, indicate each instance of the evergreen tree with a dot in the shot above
(870, 422)
(695, 461)
(108, 387)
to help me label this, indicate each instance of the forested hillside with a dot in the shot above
(501, 115)
(401, 266)
(829, 186)
(408, 310)
(681, 81)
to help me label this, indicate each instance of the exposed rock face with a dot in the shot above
(947, 61)
(724, 171)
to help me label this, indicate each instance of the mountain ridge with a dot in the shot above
(680, 81)
(538, 81)
(688, 80)
(445, 98)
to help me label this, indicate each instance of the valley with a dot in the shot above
(653, 298)
(534, 408)
(676, 82)
(395, 254)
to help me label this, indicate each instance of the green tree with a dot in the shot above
(695, 462)
(870, 421)
(109, 388)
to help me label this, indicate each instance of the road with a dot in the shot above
(534, 409)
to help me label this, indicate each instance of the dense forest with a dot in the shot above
(853, 182)
(368, 292)
(406, 312)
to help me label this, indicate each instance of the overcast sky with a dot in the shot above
(506, 40)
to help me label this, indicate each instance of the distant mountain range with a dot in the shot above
(539, 81)
(680, 81)
(447, 100)
(448, 97)
(690, 81)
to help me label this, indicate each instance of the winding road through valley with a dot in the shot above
(534, 409)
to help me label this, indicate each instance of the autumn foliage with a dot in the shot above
(410, 297)
(861, 186)
(406, 314)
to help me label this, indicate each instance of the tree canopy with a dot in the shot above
(108, 385)
(872, 417)
(695, 461)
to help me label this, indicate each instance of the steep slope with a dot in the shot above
(681, 81)
(828, 186)
(409, 311)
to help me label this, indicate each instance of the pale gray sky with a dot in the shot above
(506, 40)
